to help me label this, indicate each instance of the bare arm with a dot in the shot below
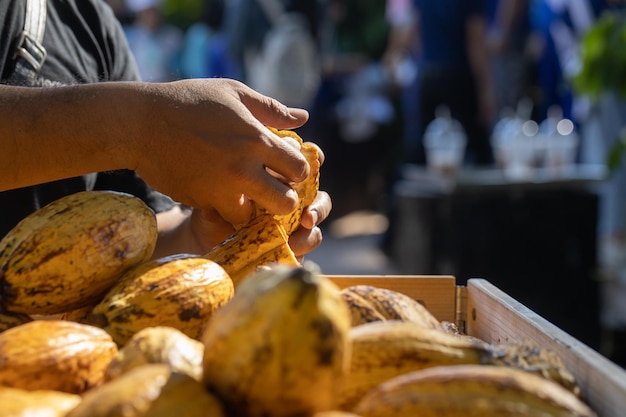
(479, 62)
(508, 16)
(202, 142)
(54, 133)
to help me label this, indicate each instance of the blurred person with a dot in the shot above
(508, 39)
(402, 60)
(205, 50)
(357, 114)
(353, 61)
(454, 72)
(155, 43)
(246, 25)
(557, 27)
(196, 151)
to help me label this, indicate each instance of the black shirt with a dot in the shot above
(85, 44)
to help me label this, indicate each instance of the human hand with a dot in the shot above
(209, 228)
(309, 236)
(204, 143)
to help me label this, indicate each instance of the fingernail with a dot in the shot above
(297, 114)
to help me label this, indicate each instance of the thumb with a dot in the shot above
(273, 113)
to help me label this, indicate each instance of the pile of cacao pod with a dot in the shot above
(92, 325)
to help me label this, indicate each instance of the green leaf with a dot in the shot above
(603, 56)
(615, 155)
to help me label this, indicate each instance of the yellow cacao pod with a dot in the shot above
(180, 291)
(261, 242)
(369, 303)
(159, 344)
(471, 391)
(280, 347)
(54, 355)
(151, 390)
(45, 403)
(67, 254)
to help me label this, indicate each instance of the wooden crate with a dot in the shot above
(485, 311)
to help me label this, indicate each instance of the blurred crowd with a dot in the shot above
(388, 68)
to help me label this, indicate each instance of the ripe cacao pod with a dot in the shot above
(55, 355)
(180, 291)
(67, 254)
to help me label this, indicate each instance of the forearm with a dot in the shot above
(477, 52)
(479, 62)
(507, 18)
(53, 133)
(201, 142)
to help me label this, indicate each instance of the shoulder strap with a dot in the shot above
(29, 52)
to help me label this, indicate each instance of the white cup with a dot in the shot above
(444, 153)
(561, 148)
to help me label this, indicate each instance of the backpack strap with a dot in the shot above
(29, 52)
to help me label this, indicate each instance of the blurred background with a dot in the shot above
(478, 138)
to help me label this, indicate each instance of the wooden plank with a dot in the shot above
(494, 316)
(436, 292)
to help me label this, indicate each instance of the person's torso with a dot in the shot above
(82, 40)
(443, 25)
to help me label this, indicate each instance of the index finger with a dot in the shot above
(268, 177)
(285, 158)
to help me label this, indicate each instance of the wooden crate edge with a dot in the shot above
(492, 315)
(495, 316)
